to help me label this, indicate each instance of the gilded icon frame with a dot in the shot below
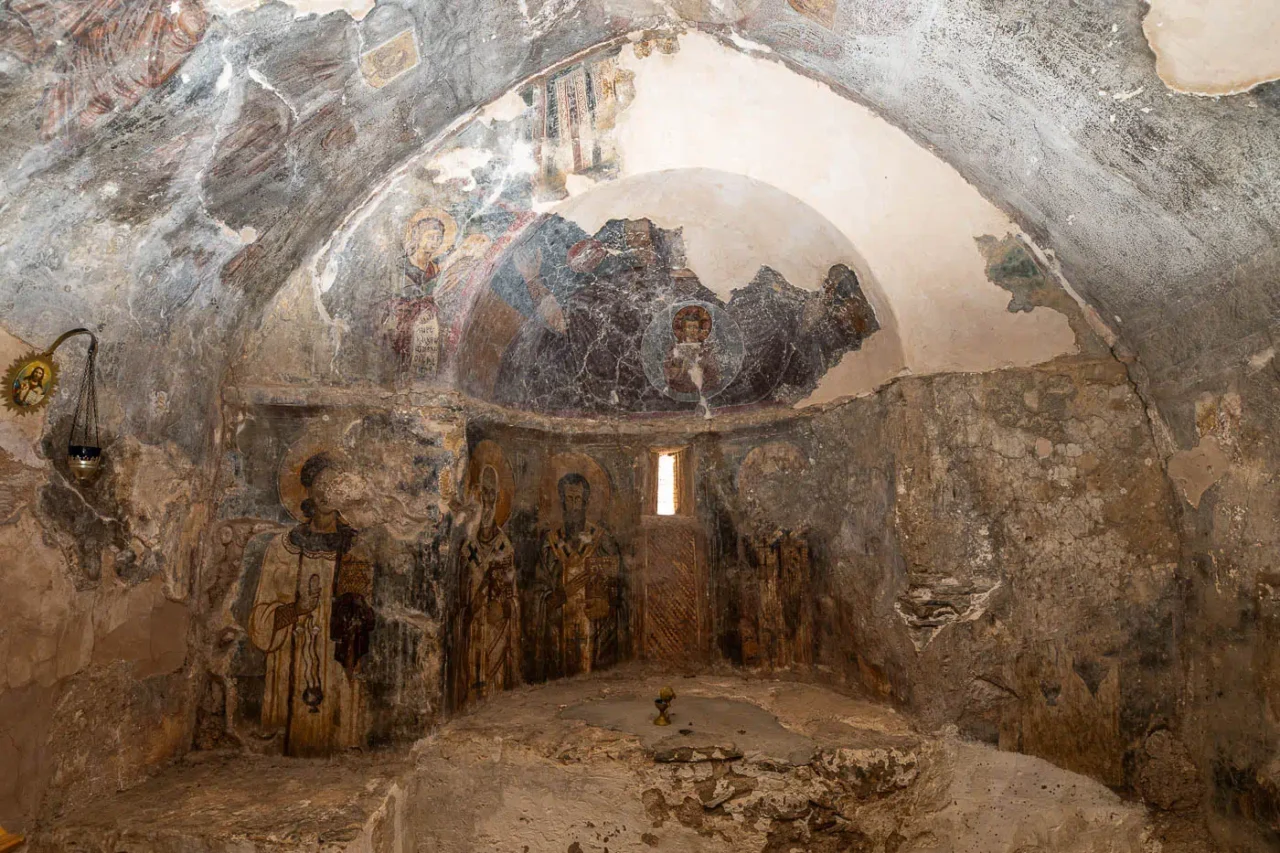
(25, 390)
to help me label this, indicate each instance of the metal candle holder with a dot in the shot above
(663, 702)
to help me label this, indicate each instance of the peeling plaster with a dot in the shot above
(1197, 470)
(732, 225)
(540, 16)
(459, 164)
(509, 107)
(357, 9)
(912, 217)
(1214, 47)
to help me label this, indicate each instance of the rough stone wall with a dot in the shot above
(996, 551)
(1226, 476)
(97, 580)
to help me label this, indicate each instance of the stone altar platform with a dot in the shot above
(578, 767)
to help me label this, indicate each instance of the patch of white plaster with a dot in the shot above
(522, 159)
(1262, 359)
(1197, 470)
(507, 108)
(224, 79)
(357, 9)
(748, 45)
(459, 164)
(576, 185)
(912, 217)
(732, 225)
(862, 371)
(547, 14)
(1214, 47)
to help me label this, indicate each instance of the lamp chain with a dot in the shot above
(84, 423)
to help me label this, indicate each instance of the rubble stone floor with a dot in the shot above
(578, 767)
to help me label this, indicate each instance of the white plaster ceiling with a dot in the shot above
(910, 215)
(732, 225)
(1215, 47)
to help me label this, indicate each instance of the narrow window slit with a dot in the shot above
(667, 484)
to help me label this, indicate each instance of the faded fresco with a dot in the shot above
(463, 275)
(769, 577)
(579, 610)
(109, 52)
(338, 613)
(615, 322)
(485, 655)
(548, 600)
(427, 565)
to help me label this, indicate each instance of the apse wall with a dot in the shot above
(471, 353)
(992, 551)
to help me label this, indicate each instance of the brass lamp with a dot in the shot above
(84, 446)
(29, 384)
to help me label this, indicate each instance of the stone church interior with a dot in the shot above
(639, 425)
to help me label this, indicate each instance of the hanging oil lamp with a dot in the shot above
(28, 387)
(84, 445)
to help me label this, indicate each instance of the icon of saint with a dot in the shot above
(29, 390)
(489, 613)
(579, 585)
(692, 367)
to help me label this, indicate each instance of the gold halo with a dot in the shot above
(488, 453)
(550, 513)
(428, 247)
(19, 370)
(323, 439)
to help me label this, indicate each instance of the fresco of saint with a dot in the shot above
(579, 586)
(692, 367)
(486, 655)
(312, 617)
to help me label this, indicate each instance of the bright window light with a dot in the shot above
(667, 484)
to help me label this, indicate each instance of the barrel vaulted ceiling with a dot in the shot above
(169, 165)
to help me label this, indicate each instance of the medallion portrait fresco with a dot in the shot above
(692, 351)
